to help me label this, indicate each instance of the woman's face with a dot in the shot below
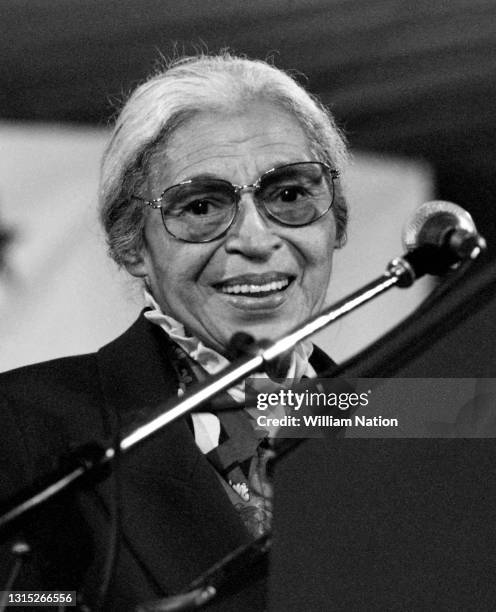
(204, 285)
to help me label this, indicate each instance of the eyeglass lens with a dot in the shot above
(202, 209)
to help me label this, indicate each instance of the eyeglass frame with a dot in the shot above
(238, 190)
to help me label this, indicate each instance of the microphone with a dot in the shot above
(439, 236)
(445, 225)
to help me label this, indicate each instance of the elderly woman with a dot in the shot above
(219, 191)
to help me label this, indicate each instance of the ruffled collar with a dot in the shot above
(207, 425)
(212, 361)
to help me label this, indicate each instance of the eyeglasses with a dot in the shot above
(202, 209)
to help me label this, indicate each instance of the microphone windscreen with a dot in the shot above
(437, 212)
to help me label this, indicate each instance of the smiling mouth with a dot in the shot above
(252, 287)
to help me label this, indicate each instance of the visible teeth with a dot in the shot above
(247, 289)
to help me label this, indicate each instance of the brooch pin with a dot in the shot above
(241, 489)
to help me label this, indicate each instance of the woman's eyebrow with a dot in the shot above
(201, 176)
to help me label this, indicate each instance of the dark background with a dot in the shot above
(410, 78)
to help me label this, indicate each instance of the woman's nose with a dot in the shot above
(252, 234)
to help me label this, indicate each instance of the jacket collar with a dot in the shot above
(174, 506)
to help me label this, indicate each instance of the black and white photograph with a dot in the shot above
(209, 401)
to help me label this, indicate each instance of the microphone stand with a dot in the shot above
(91, 459)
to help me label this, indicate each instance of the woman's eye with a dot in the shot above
(199, 207)
(290, 194)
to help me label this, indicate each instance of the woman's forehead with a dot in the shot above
(237, 146)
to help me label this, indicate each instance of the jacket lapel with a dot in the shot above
(174, 508)
(322, 363)
(177, 520)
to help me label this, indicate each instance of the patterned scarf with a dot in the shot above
(232, 442)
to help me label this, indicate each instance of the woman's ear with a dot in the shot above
(136, 264)
(340, 242)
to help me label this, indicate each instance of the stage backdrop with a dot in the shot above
(61, 295)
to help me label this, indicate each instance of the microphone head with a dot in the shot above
(457, 217)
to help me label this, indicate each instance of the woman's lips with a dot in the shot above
(256, 292)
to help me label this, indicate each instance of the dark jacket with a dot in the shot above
(176, 519)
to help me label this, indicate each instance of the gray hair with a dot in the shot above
(175, 94)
